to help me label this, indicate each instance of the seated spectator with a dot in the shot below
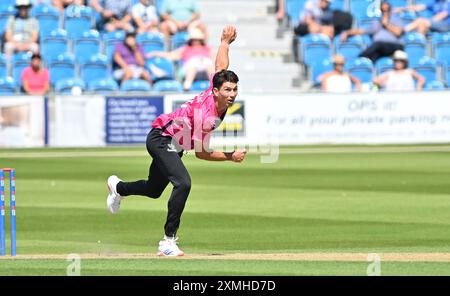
(316, 18)
(35, 78)
(22, 31)
(62, 4)
(401, 78)
(386, 35)
(196, 57)
(129, 60)
(144, 16)
(180, 16)
(338, 81)
(440, 22)
(115, 14)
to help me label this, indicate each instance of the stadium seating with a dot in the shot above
(384, 64)
(446, 67)
(86, 45)
(363, 8)
(200, 85)
(435, 85)
(7, 86)
(441, 47)
(361, 68)
(151, 42)
(5, 12)
(167, 85)
(179, 39)
(293, 9)
(399, 3)
(20, 61)
(54, 44)
(3, 66)
(366, 22)
(427, 67)
(77, 19)
(103, 85)
(350, 48)
(160, 68)
(67, 85)
(407, 17)
(314, 47)
(415, 46)
(61, 67)
(319, 68)
(135, 85)
(338, 5)
(110, 40)
(94, 68)
(48, 18)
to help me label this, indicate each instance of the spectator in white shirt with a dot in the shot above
(144, 16)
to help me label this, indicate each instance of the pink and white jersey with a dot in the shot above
(193, 121)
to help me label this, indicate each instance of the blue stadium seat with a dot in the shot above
(441, 47)
(8, 2)
(314, 47)
(361, 68)
(103, 85)
(320, 68)
(65, 85)
(3, 66)
(94, 68)
(78, 19)
(200, 85)
(425, 13)
(5, 12)
(54, 44)
(179, 39)
(110, 40)
(446, 67)
(399, 3)
(435, 85)
(61, 66)
(350, 48)
(135, 85)
(168, 85)
(7, 86)
(293, 9)
(151, 41)
(160, 68)
(415, 46)
(407, 17)
(20, 61)
(364, 8)
(338, 5)
(86, 45)
(384, 64)
(159, 4)
(48, 18)
(366, 22)
(427, 67)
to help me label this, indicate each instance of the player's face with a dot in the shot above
(226, 94)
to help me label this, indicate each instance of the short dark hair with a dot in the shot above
(36, 56)
(224, 76)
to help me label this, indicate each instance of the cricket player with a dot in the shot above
(186, 128)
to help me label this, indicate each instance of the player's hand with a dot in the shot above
(229, 34)
(238, 155)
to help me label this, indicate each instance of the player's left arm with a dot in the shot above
(202, 151)
(229, 34)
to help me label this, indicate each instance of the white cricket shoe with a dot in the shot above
(114, 198)
(168, 247)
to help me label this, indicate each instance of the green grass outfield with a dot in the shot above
(318, 199)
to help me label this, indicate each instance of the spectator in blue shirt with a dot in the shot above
(439, 22)
(386, 35)
(316, 18)
(115, 14)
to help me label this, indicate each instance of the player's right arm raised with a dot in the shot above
(229, 34)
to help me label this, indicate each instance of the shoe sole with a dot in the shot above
(161, 254)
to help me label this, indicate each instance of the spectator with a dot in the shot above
(22, 31)
(144, 16)
(115, 14)
(401, 78)
(280, 9)
(35, 78)
(440, 22)
(316, 18)
(62, 4)
(338, 81)
(196, 57)
(386, 35)
(129, 60)
(180, 16)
